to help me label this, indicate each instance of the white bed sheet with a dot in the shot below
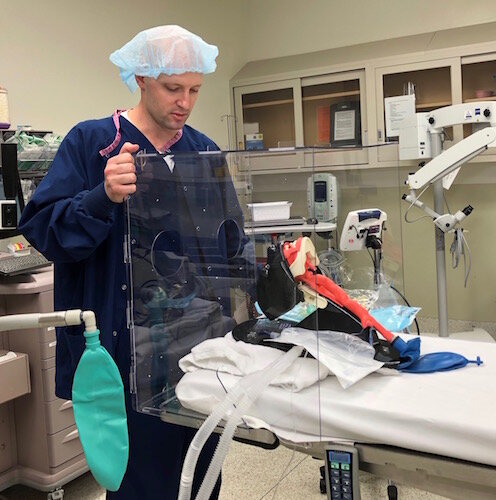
(447, 413)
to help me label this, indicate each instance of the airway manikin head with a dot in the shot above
(291, 277)
(300, 255)
(303, 262)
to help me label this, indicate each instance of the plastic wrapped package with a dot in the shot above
(35, 154)
(396, 317)
(346, 356)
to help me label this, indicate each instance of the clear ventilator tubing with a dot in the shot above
(252, 392)
(235, 394)
(200, 438)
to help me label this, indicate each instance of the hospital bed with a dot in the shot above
(433, 431)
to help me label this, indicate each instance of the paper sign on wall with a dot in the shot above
(397, 108)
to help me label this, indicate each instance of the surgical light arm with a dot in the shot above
(452, 158)
(478, 113)
(445, 222)
(426, 136)
(446, 165)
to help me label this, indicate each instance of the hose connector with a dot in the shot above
(89, 320)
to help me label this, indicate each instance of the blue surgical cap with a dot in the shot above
(171, 50)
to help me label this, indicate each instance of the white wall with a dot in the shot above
(54, 57)
(278, 28)
(54, 53)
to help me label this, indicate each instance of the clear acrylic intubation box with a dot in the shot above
(196, 258)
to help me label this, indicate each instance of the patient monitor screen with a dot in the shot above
(320, 191)
(344, 458)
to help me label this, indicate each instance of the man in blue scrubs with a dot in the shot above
(76, 219)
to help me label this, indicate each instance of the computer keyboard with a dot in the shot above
(22, 264)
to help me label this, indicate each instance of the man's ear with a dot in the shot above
(140, 80)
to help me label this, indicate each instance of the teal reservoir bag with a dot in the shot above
(100, 413)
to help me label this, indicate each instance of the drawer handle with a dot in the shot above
(66, 405)
(71, 436)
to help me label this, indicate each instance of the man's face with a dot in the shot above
(169, 100)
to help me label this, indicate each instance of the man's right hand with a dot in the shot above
(120, 174)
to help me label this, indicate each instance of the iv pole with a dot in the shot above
(442, 292)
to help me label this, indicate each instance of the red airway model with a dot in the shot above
(302, 261)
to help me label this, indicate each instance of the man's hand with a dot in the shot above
(120, 174)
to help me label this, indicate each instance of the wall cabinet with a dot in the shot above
(275, 107)
(478, 75)
(434, 85)
(319, 96)
(306, 112)
(291, 98)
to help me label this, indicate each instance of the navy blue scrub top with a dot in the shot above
(73, 223)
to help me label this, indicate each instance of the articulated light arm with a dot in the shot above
(420, 137)
(445, 166)
(445, 222)
(42, 320)
(452, 158)
(478, 113)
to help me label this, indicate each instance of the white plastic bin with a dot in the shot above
(273, 210)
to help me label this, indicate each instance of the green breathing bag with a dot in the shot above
(100, 413)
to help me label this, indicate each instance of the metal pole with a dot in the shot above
(230, 135)
(442, 301)
(377, 266)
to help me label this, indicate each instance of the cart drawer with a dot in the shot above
(63, 446)
(60, 415)
(49, 384)
(14, 374)
(47, 349)
(47, 334)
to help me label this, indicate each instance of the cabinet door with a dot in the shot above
(435, 86)
(320, 94)
(271, 109)
(479, 84)
(479, 77)
(335, 116)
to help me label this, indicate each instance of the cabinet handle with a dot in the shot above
(66, 405)
(71, 436)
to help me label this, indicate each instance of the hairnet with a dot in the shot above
(171, 50)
